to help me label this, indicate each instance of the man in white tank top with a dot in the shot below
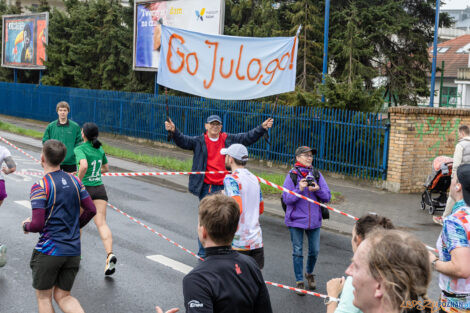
(244, 187)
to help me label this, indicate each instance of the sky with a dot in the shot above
(455, 4)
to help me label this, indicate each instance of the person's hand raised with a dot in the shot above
(169, 125)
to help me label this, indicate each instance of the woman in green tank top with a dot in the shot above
(92, 162)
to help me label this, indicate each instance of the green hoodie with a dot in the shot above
(69, 134)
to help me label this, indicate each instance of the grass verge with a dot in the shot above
(166, 163)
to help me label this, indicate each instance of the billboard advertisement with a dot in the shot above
(24, 40)
(205, 16)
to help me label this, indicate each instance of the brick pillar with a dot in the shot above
(417, 136)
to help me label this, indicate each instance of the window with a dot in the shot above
(448, 97)
(464, 49)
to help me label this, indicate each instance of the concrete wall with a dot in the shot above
(417, 136)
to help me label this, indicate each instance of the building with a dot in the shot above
(453, 64)
(461, 18)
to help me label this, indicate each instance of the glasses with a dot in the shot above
(307, 156)
(215, 124)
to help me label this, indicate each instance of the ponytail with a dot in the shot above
(96, 143)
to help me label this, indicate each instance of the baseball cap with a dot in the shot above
(214, 118)
(463, 174)
(303, 149)
(236, 151)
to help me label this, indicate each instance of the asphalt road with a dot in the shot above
(141, 282)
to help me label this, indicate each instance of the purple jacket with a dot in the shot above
(301, 213)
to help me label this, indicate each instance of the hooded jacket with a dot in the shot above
(301, 213)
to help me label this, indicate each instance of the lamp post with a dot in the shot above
(325, 44)
(434, 55)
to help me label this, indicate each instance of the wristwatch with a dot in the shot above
(433, 264)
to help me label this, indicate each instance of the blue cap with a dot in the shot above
(214, 118)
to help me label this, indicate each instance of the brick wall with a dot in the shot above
(417, 136)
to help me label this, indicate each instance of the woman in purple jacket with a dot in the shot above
(304, 216)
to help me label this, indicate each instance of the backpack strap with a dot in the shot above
(293, 176)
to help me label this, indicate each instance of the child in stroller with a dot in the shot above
(434, 196)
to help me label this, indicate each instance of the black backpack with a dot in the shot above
(316, 174)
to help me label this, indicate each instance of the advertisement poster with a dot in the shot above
(205, 16)
(24, 41)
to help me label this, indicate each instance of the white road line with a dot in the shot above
(24, 203)
(177, 266)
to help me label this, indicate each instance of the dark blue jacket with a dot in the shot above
(198, 145)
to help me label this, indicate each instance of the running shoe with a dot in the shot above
(110, 264)
(3, 255)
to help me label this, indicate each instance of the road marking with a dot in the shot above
(24, 203)
(177, 266)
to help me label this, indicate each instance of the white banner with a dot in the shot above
(226, 67)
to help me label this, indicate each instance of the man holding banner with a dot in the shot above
(207, 155)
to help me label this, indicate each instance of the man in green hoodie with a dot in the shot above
(66, 131)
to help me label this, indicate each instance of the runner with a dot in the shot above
(5, 156)
(55, 202)
(91, 162)
(244, 187)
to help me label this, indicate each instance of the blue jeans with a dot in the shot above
(207, 190)
(297, 238)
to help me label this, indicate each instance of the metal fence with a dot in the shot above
(347, 142)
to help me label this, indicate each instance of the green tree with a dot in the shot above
(309, 56)
(390, 37)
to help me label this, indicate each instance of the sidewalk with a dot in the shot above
(359, 197)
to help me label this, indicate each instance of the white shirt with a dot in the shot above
(4, 153)
(243, 184)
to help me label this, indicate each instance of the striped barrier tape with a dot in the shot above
(266, 182)
(199, 258)
(262, 180)
(20, 150)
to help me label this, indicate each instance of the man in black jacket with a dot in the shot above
(227, 281)
(206, 148)
(207, 155)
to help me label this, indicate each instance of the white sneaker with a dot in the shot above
(110, 264)
(3, 255)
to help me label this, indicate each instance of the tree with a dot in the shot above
(309, 56)
(398, 34)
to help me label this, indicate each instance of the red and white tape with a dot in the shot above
(198, 257)
(134, 174)
(154, 231)
(163, 173)
(20, 150)
(262, 180)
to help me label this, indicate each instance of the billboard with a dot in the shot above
(205, 16)
(24, 40)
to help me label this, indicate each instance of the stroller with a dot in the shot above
(434, 196)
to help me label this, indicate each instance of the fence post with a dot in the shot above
(385, 154)
(94, 111)
(322, 142)
(120, 118)
(224, 121)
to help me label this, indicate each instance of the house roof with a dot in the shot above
(451, 53)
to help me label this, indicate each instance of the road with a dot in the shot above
(149, 270)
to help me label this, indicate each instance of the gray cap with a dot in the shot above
(214, 118)
(236, 151)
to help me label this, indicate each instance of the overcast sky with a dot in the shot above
(455, 4)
